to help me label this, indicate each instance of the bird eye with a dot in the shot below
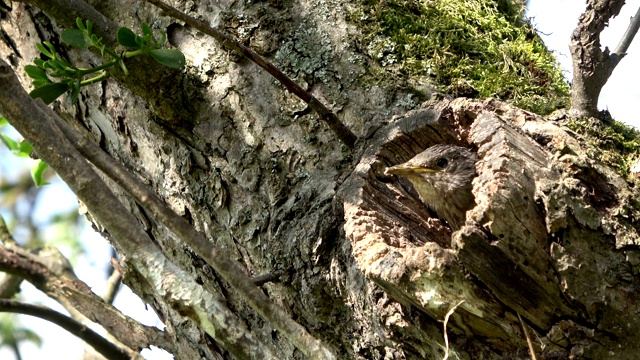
(442, 162)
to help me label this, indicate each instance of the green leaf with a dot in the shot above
(24, 148)
(35, 72)
(52, 49)
(127, 38)
(79, 24)
(163, 39)
(3, 121)
(141, 42)
(97, 42)
(64, 63)
(146, 30)
(37, 173)
(48, 93)
(9, 142)
(169, 57)
(44, 51)
(40, 63)
(75, 91)
(75, 37)
(38, 83)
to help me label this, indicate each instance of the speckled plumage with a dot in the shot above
(442, 176)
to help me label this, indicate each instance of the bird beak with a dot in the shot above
(404, 170)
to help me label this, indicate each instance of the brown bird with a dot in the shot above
(442, 176)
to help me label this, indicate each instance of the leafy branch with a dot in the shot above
(22, 148)
(73, 78)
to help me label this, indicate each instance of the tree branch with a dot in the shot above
(9, 284)
(113, 284)
(74, 295)
(5, 235)
(160, 86)
(591, 66)
(33, 120)
(226, 267)
(344, 134)
(102, 345)
(625, 41)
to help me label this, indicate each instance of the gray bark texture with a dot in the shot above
(361, 263)
(592, 66)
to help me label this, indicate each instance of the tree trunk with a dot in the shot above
(356, 259)
(592, 66)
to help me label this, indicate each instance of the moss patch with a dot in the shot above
(468, 48)
(619, 143)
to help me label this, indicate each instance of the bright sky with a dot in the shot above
(556, 18)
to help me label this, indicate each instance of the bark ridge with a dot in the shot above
(548, 225)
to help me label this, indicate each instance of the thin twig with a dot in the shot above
(344, 134)
(446, 320)
(625, 41)
(532, 351)
(113, 285)
(77, 297)
(5, 235)
(268, 277)
(102, 345)
(9, 284)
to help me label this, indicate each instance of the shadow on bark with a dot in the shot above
(552, 237)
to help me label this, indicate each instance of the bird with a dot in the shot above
(442, 176)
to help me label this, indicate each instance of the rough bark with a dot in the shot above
(367, 269)
(550, 223)
(592, 66)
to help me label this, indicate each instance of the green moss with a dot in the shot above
(619, 143)
(467, 47)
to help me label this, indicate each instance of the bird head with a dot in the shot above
(442, 176)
